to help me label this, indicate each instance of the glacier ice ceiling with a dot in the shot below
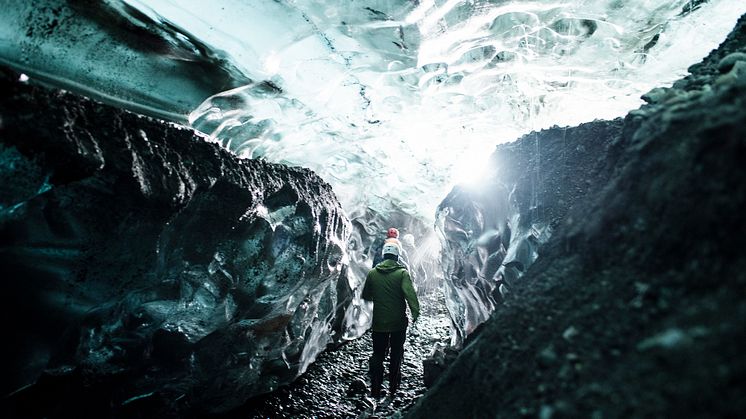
(392, 102)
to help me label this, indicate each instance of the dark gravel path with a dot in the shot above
(337, 385)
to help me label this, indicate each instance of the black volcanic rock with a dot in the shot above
(636, 305)
(148, 271)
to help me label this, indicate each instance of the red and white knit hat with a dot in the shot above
(392, 233)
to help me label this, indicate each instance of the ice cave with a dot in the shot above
(194, 194)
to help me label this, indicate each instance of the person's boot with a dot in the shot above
(375, 372)
(394, 381)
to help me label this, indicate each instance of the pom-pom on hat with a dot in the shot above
(390, 249)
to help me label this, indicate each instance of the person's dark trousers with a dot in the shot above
(382, 341)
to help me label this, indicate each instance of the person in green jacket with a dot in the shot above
(389, 286)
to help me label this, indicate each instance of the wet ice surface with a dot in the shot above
(332, 386)
(415, 92)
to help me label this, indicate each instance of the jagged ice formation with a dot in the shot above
(148, 267)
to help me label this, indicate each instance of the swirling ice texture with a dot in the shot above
(390, 101)
(394, 102)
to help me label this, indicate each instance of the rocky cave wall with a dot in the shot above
(635, 306)
(148, 270)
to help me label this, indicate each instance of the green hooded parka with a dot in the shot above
(388, 285)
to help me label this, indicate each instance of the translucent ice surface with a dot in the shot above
(392, 102)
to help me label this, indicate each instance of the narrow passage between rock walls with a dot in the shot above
(337, 384)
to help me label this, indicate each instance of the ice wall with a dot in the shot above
(150, 273)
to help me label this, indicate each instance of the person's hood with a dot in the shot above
(389, 265)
